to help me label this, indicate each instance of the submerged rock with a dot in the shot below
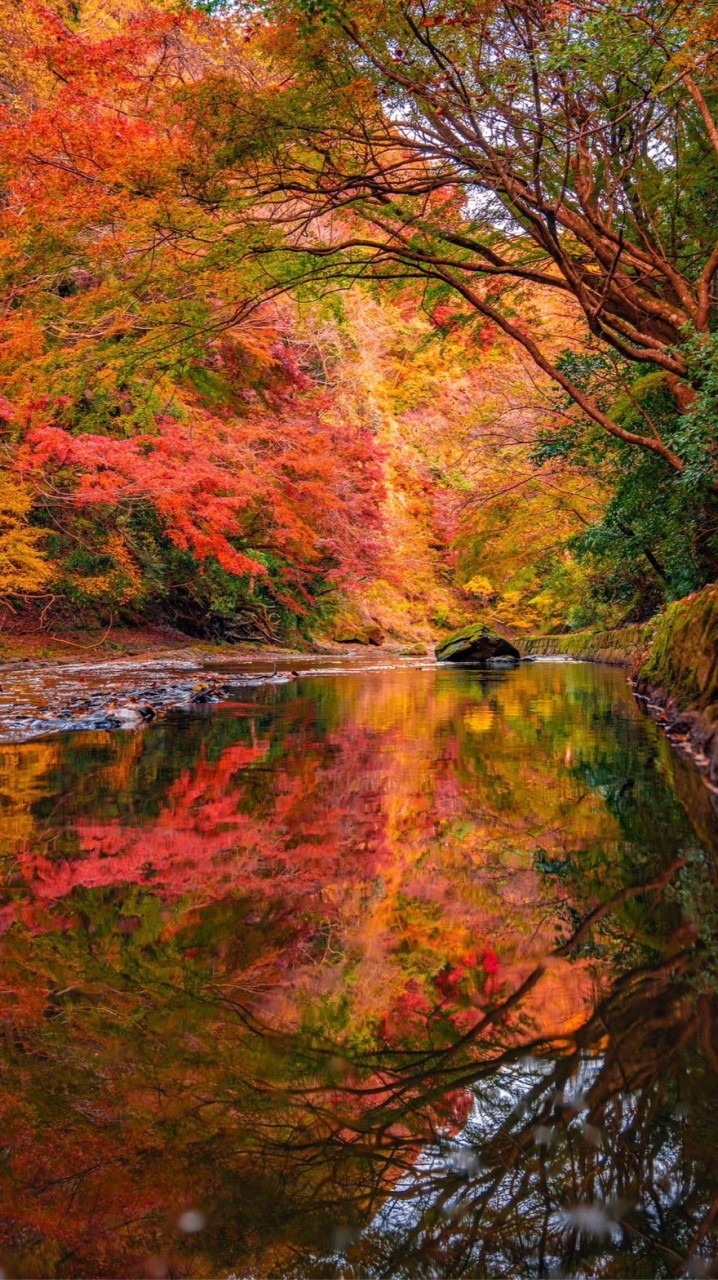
(476, 643)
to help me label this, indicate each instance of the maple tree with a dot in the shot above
(560, 146)
(208, 467)
(205, 426)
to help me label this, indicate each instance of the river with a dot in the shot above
(402, 972)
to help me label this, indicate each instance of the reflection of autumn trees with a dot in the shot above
(160, 1097)
(386, 829)
(433, 844)
(593, 1158)
(261, 973)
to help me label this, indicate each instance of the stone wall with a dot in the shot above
(683, 657)
(624, 647)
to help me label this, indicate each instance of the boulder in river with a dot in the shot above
(476, 643)
(360, 633)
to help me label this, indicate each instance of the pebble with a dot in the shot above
(104, 711)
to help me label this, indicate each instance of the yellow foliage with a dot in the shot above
(480, 720)
(127, 572)
(24, 773)
(479, 585)
(122, 581)
(23, 566)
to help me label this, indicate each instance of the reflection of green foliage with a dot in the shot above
(551, 866)
(695, 891)
(203, 1036)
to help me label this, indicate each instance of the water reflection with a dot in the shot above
(400, 974)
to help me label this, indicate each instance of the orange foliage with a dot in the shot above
(135, 381)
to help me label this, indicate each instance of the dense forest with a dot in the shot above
(329, 318)
(336, 323)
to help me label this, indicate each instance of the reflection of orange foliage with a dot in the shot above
(561, 1002)
(345, 866)
(395, 847)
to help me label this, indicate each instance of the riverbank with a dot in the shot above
(623, 647)
(673, 665)
(123, 678)
(110, 643)
(137, 684)
(116, 678)
(678, 681)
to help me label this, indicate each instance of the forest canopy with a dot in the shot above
(344, 318)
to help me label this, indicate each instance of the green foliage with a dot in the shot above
(699, 423)
(657, 538)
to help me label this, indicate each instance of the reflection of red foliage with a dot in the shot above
(455, 1108)
(412, 1005)
(311, 830)
(491, 966)
(206, 843)
(327, 878)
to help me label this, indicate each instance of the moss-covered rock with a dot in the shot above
(351, 625)
(678, 681)
(476, 643)
(359, 633)
(683, 658)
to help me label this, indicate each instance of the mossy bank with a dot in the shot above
(678, 681)
(624, 647)
(674, 664)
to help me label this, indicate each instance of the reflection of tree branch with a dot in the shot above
(655, 886)
(646, 1029)
(700, 1235)
(498, 1014)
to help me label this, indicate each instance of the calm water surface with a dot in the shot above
(403, 973)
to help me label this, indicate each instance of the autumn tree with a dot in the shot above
(480, 147)
(178, 178)
(173, 444)
(23, 567)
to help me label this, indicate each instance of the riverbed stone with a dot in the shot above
(476, 643)
(360, 633)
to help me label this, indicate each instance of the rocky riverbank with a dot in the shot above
(678, 680)
(100, 708)
(41, 697)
